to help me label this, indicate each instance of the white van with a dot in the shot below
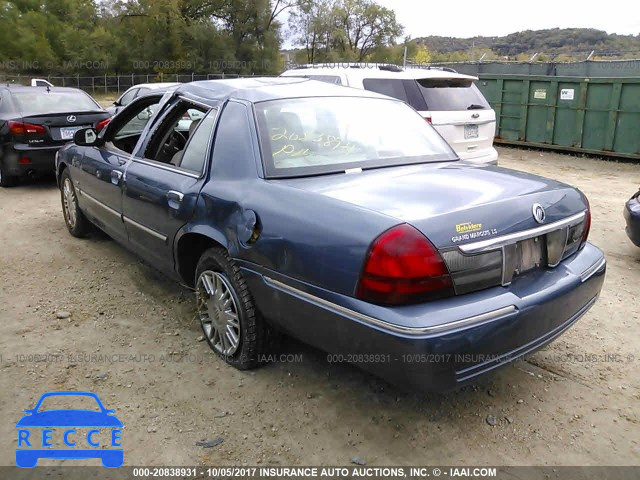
(450, 101)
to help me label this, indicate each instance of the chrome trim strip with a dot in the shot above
(498, 242)
(153, 233)
(593, 269)
(468, 122)
(465, 322)
(99, 203)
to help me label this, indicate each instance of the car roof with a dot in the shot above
(24, 88)
(260, 89)
(374, 70)
(155, 86)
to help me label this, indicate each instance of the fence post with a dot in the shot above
(105, 83)
(78, 77)
(93, 85)
(192, 76)
(118, 77)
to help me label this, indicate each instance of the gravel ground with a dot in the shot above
(565, 405)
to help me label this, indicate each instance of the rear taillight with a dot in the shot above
(21, 128)
(403, 267)
(428, 119)
(587, 222)
(102, 123)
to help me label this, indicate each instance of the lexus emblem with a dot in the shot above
(71, 118)
(475, 115)
(538, 213)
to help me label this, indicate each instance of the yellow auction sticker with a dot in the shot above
(468, 227)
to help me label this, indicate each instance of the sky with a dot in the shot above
(466, 19)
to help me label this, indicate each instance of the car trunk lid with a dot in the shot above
(482, 219)
(60, 128)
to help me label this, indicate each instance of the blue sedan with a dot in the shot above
(340, 217)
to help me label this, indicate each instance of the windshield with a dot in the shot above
(310, 136)
(42, 102)
(452, 94)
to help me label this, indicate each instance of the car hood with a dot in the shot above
(69, 418)
(441, 198)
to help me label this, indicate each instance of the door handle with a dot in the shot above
(116, 176)
(174, 199)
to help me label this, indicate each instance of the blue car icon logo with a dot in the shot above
(37, 439)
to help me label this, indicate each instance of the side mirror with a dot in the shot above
(116, 103)
(86, 137)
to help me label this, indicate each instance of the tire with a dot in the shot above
(77, 224)
(226, 305)
(6, 180)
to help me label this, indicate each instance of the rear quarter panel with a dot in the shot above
(303, 235)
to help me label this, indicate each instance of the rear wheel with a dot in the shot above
(77, 223)
(230, 322)
(6, 180)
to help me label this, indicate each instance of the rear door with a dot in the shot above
(164, 180)
(461, 114)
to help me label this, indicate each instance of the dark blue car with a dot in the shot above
(340, 217)
(34, 443)
(632, 217)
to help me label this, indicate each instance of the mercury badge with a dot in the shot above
(538, 212)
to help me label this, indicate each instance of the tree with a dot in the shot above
(422, 56)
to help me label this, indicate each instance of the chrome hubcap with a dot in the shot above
(69, 202)
(218, 312)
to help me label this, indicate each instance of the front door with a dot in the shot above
(102, 170)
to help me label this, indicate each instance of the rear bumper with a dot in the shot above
(485, 157)
(632, 218)
(439, 345)
(23, 159)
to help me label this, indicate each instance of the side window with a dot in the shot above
(170, 137)
(389, 87)
(128, 97)
(124, 132)
(233, 136)
(142, 91)
(195, 153)
(406, 90)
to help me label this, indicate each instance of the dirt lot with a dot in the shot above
(564, 405)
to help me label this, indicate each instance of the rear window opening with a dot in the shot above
(42, 102)
(433, 94)
(452, 94)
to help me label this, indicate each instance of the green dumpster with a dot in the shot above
(591, 115)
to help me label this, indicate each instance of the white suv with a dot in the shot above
(450, 101)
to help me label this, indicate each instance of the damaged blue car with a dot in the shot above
(339, 217)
